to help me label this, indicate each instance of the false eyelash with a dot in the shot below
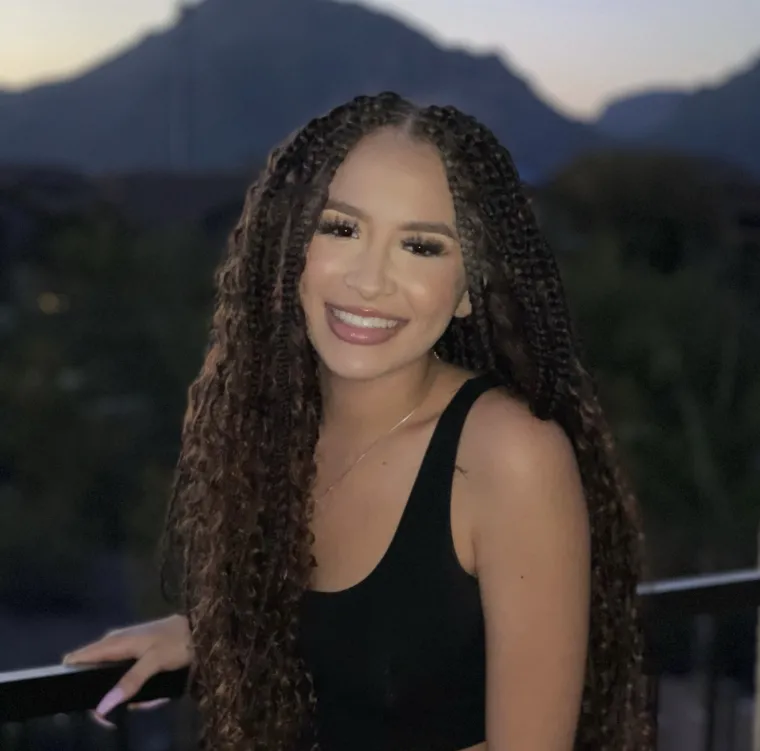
(424, 247)
(344, 229)
(337, 227)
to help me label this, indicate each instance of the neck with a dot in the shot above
(372, 405)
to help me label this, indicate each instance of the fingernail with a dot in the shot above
(103, 723)
(148, 705)
(112, 699)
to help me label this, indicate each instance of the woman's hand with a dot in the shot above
(157, 646)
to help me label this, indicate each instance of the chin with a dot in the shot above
(366, 362)
(357, 368)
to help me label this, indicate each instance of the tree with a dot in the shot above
(677, 351)
(110, 329)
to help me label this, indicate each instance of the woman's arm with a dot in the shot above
(532, 551)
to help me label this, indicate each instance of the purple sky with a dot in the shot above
(576, 54)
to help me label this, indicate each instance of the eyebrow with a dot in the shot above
(436, 228)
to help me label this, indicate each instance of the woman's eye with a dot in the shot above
(338, 228)
(422, 247)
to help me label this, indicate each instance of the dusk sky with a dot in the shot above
(575, 54)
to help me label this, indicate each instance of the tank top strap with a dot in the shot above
(425, 530)
(439, 463)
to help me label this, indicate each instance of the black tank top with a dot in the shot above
(398, 660)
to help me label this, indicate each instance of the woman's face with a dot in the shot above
(384, 272)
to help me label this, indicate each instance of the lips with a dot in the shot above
(362, 325)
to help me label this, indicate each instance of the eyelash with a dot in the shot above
(345, 230)
(337, 228)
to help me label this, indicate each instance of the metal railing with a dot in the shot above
(57, 690)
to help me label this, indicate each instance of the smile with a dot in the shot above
(364, 322)
(361, 326)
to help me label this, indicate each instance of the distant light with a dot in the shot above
(51, 303)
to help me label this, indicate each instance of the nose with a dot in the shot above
(370, 274)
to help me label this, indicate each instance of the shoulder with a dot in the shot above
(503, 440)
(519, 469)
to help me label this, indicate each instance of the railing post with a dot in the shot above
(705, 646)
(711, 681)
(653, 686)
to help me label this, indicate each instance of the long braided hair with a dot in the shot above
(239, 517)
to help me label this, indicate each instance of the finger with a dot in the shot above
(103, 723)
(132, 681)
(110, 649)
(139, 706)
(109, 702)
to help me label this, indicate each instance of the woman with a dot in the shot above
(396, 504)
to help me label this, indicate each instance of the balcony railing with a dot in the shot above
(64, 695)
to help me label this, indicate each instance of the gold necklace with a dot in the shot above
(372, 445)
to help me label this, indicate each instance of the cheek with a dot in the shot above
(437, 294)
(320, 270)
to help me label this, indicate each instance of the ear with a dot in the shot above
(465, 306)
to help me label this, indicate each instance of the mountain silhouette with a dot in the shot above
(232, 77)
(639, 115)
(721, 121)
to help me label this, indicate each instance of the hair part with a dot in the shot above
(238, 523)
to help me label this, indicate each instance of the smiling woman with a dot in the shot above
(385, 265)
(397, 515)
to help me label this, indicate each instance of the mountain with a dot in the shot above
(639, 115)
(721, 121)
(232, 77)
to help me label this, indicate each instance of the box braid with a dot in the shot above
(239, 515)
(520, 325)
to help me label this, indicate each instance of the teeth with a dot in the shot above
(363, 321)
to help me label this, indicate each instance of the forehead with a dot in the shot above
(390, 173)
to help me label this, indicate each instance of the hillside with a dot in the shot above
(721, 121)
(229, 79)
(639, 115)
